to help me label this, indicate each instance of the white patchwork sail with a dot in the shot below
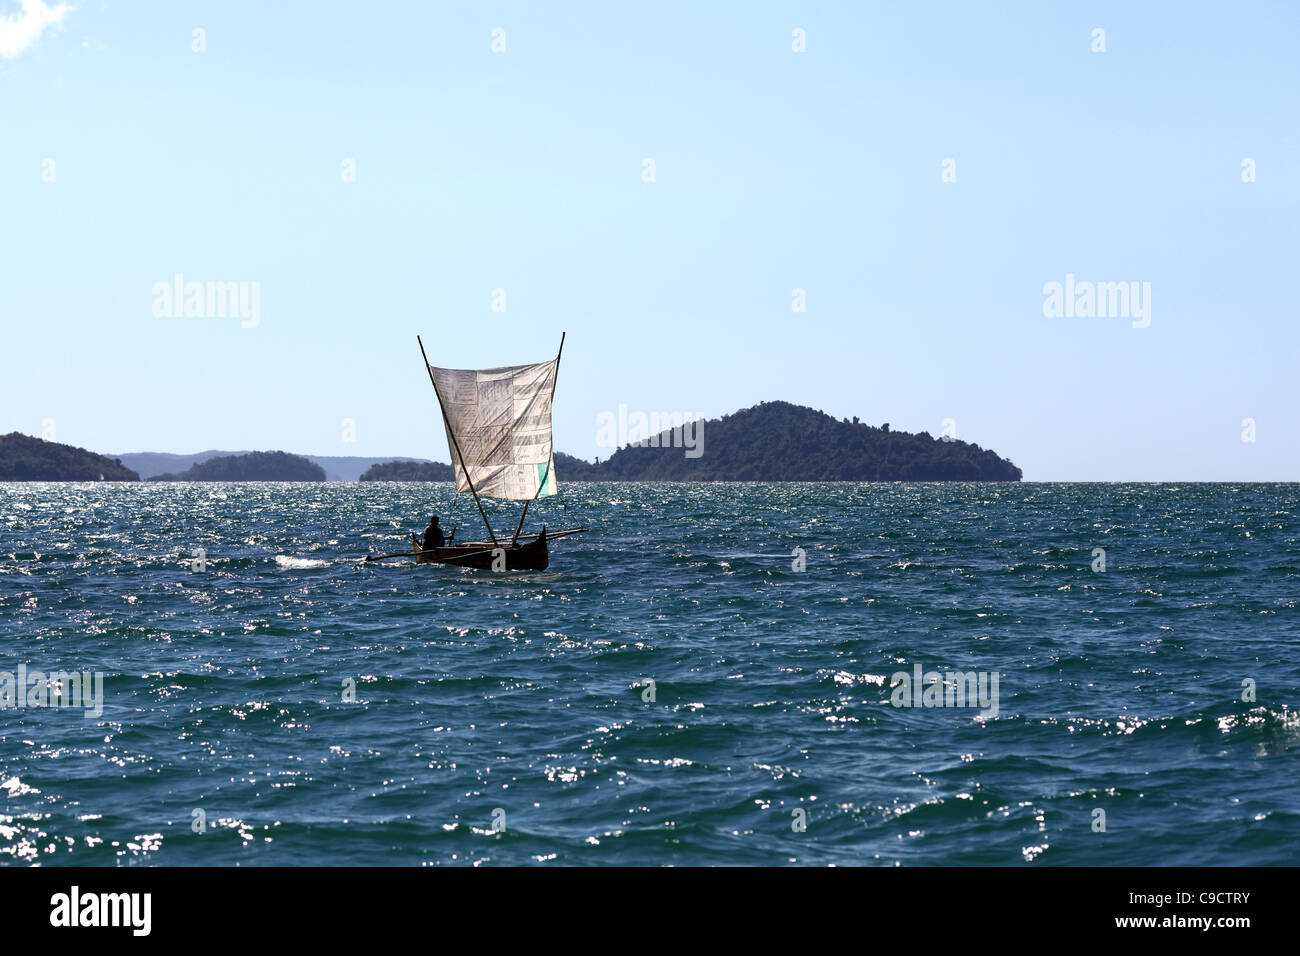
(499, 428)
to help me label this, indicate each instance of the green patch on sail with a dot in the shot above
(545, 483)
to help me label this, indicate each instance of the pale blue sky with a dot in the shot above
(775, 170)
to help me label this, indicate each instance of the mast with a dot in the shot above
(554, 375)
(452, 434)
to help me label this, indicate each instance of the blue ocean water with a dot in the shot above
(511, 719)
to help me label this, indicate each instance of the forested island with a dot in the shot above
(409, 471)
(23, 458)
(254, 466)
(778, 441)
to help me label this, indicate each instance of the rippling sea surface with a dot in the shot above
(510, 718)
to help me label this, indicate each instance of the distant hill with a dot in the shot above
(23, 458)
(254, 466)
(778, 441)
(337, 467)
(409, 471)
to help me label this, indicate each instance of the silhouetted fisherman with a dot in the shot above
(433, 535)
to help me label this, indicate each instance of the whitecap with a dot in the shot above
(285, 561)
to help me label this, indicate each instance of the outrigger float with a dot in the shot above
(498, 423)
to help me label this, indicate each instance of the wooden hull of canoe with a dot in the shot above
(531, 556)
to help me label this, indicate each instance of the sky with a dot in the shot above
(476, 173)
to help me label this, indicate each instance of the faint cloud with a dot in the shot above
(21, 30)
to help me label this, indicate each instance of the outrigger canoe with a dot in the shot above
(488, 556)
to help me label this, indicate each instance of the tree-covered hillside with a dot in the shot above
(409, 471)
(778, 441)
(255, 466)
(23, 458)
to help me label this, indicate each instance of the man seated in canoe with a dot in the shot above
(433, 537)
